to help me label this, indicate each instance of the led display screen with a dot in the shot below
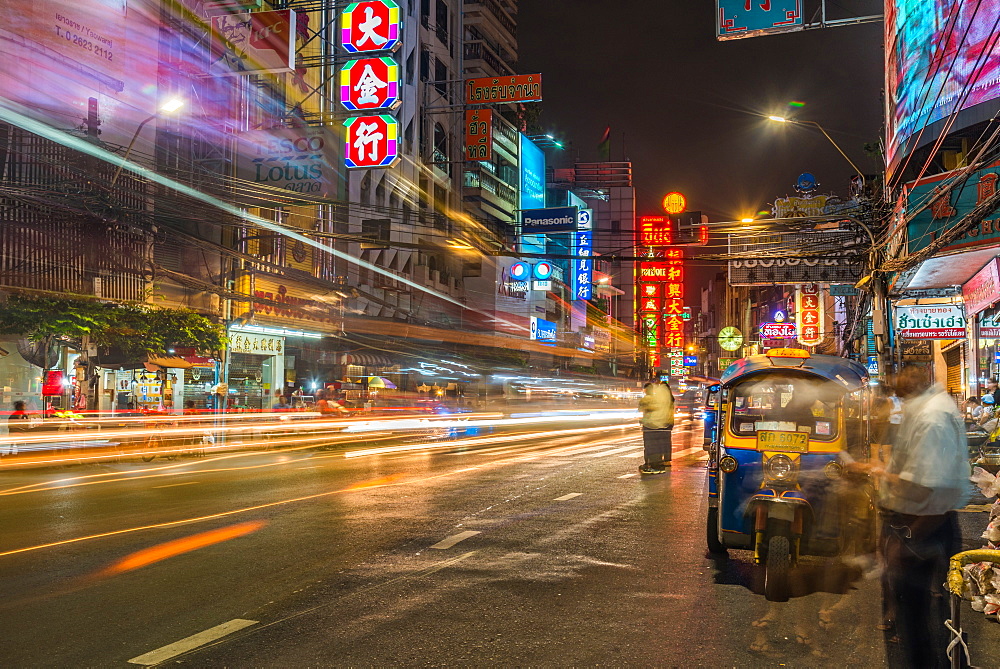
(943, 57)
(532, 175)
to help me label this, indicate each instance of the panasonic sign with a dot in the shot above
(550, 219)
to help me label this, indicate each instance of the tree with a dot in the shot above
(132, 330)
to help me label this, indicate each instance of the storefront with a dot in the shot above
(256, 369)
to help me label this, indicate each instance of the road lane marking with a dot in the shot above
(309, 467)
(448, 542)
(176, 648)
(632, 455)
(611, 452)
(174, 485)
(628, 476)
(688, 451)
(566, 497)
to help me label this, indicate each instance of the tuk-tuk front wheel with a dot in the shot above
(776, 568)
(712, 531)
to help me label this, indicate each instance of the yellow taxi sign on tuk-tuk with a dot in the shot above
(774, 440)
(787, 353)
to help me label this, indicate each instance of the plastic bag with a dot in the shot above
(987, 483)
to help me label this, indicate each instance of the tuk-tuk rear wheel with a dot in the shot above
(776, 568)
(712, 531)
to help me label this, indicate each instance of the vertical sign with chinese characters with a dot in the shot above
(580, 281)
(370, 83)
(809, 312)
(479, 134)
(660, 300)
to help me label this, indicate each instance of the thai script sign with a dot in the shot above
(827, 257)
(369, 83)
(240, 342)
(983, 289)
(371, 141)
(254, 43)
(746, 18)
(479, 134)
(989, 326)
(800, 207)
(949, 207)
(930, 321)
(778, 331)
(810, 312)
(516, 88)
(373, 25)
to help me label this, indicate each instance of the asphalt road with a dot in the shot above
(540, 549)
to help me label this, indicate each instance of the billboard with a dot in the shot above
(254, 43)
(828, 257)
(552, 219)
(945, 210)
(543, 330)
(930, 321)
(299, 160)
(942, 58)
(532, 167)
(742, 18)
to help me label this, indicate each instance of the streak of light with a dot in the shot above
(248, 509)
(169, 549)
(374, 483)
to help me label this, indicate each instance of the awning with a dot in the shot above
(366, 360)
(168, 361)
(945, 271)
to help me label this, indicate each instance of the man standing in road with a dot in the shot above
(923, 483)
(657, 408)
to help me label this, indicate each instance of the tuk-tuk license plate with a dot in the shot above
(770, 440)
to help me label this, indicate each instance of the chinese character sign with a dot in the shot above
(582, 268)
(373, 25)
(659, 294)
(371, 141)
(479, 134)
(369, 83)
(809, 311)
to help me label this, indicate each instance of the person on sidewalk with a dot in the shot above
(923, 483)
(657, 407)
(18, 425)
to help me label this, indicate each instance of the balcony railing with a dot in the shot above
(501, 15)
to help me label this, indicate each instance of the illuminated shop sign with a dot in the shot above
(778, 331)
(809, 310)
(660, 297)
(543, 330)
(552, 219)
(930, 321)
(516, 88)
(369, 83)
(371, 141)
(581, 274)
(373, 25)
(655, 231)
(479, 134)
(256, 42)
(743, 18)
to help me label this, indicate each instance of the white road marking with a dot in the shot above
(309, 467)
(611, 452)
(448, 542)
(566, 497)
(172, 485)
(174, 649)
(632, 455)
(688, 451)
(628, 476)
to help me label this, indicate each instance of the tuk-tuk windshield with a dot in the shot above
(786, 404)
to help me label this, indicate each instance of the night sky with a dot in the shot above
(690, 107)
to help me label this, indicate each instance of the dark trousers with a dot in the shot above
(916, 551)
(656, 445)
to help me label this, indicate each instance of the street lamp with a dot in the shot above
(168, 107)
(782, 119)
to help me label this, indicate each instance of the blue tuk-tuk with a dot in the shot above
(787, 420)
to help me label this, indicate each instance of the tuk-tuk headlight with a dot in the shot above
(728, 464)
(779, 468)
(833, 470)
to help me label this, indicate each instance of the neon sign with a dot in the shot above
(373, 25)
(370, 141)
(369, 83)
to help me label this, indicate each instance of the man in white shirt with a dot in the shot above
(925, 480)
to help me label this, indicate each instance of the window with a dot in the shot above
(441, 21)
(425, 65)
(441, 77)
(425, 13)
(409, 68)
(616, 227)
(440, 154)
(376, 229)
(784, 404)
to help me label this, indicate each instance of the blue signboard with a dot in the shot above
(750, 18)
(873, 365)
(532, 163)
(690, 361)
(944, 211)
(543, 330)
(553, 219)
(581, 275)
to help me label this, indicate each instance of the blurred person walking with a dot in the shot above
(922, 484)
(18, 424)
(657, 408)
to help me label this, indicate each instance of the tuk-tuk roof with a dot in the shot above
(848, 373)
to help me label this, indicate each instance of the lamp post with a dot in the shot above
(782, 119)
(167, 107)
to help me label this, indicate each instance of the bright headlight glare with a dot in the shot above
(779, 468)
